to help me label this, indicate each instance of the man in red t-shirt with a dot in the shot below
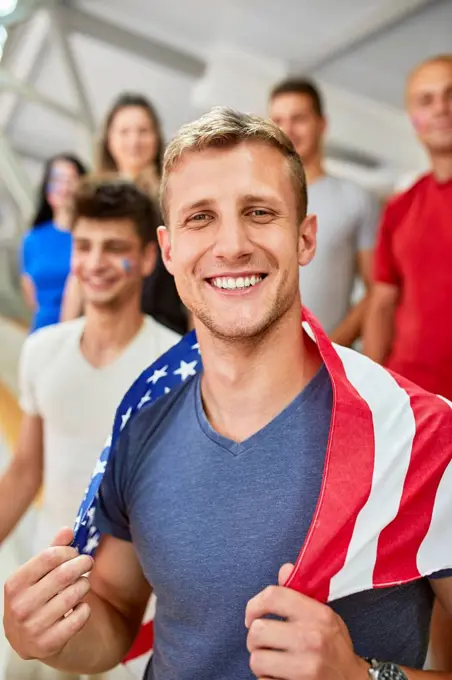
(409, 324)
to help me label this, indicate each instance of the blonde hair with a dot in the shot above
(225, 128)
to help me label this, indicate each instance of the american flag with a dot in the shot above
(384, 512)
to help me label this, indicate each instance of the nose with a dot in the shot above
(442, 105)
(95, 259)
(232, 240)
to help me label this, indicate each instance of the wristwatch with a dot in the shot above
(384, 670)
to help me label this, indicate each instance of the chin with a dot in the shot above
(236, 329)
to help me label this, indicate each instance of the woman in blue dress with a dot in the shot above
(46, 248)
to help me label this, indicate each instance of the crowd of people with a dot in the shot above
(206, 499)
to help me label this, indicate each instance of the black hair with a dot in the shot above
(44, 211)
(106, 197)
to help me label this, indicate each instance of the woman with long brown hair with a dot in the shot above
(131, 144)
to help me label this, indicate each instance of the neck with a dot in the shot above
(314, 168)
(245, 385)
(108, 331)
(62, 219)
(442, 167)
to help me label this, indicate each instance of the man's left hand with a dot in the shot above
(311, 643)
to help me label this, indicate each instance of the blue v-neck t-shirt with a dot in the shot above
(213, 521)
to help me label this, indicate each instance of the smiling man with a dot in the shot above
(72, 375)
(232, 474)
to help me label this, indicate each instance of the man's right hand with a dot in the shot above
(43, 600)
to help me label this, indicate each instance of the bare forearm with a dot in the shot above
(379, 332)
(350, 329)
(18, 488)
(101, 645)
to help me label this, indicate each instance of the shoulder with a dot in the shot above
(163, 336)
(356, 199)
(399, 204)
(36, 232)
(47, 341)
(358, 196)
(152, 424)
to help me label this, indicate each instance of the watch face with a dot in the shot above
(389, 671)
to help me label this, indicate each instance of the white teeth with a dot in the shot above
(239, 282)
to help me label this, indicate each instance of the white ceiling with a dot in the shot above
(359, 50)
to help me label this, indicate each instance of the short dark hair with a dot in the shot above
(304, 87)
(110, 197)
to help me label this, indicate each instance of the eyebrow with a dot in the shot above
(259, 198)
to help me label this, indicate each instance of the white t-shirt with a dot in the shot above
(77, 404)
(347, 217)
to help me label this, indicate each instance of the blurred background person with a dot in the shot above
(347, 216)
(409, 326)
(46, 248)
(73, 375)
(132, 144)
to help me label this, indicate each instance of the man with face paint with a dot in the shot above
(409, 327)
(74, 374)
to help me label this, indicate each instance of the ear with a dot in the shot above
(149, 259)
(164, 238)
(307, 240)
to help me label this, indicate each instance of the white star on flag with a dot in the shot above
(90, 515)
(167, 390)
(100, 467)
(144, 399)
(196, 346)
(186, 369)
(91, 544)
(158, 373)
(125, 417)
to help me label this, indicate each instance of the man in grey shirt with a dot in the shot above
(347, 217)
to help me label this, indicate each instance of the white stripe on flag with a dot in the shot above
(434, 550)
(394, 430)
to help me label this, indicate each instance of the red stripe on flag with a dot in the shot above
(144, 642)
(399, 541)
(347, 476)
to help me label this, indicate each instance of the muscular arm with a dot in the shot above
(379, 325)
(72, 305)
(118, 598)
(23, 476)
(81, 625)
(443, 591)
(350, 329)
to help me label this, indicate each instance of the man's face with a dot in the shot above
(233, 241)
(109, 260)
(295, 115)
(429, 98)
